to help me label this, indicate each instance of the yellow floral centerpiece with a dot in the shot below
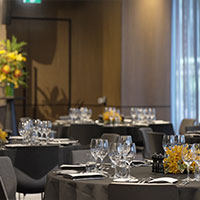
(173, 162)
(12, 61)
(3, 137)
(111, 116)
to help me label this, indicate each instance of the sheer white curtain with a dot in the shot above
(185, 68)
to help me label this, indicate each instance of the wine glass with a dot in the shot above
(94, 151)
(168, 142)
(36, 128)
(103, 146)
(21, 129)
(46, 129)
(114, 156)
(196, 155)
(133, 113)
(89, 114)
(129, 159)
(125, 141)
(179, 139)
(187, 158)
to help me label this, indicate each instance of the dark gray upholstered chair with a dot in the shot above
(152, 142)
(142, 192)
(32, 165)
(184, 124)
(111, 137)
(85, 132)
(7, 174)
(80, 156)
(3, 193)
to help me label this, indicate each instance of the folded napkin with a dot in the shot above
(77, 167)
(130, 180)
(63, 142)
(161, 122)
(15, 138)
(84, 176)
(15, 145)
(163, 180)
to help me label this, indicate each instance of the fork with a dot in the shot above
(183, 183)
(143, 180)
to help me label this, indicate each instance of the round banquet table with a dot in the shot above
(60, 188)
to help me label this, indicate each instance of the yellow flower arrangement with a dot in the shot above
(173, 162)
(12, 61)
(3, 136)
(111, 115)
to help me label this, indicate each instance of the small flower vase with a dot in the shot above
(9, 90)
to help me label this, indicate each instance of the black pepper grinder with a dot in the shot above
(160, 163)
(155, 162)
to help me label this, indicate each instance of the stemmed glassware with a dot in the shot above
(112, 115)
(74, 114)
(196, 157)
(46, 129)
(103, 146)
(124, 143)
(114, 156)
(89, 114)
(133, 113)
(152, 113)
(129, 159)
(94, 151)
(21, 130)
(187, 157)
(168, 142)
(179, 139)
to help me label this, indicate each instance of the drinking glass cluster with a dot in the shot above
(120, 153)
(34, 130)
(82, 114)
(147, 115)
(99, 149)
(170, 141)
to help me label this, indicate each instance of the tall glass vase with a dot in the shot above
(9, 90)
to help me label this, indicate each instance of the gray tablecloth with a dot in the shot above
(60, 188)
(64, 156)
(123, 129)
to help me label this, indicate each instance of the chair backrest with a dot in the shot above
(8, 177)
(145, 130)
(192, 129)
(80, 156)
(163, 128)
(36, 161)
(111, 137)
(184, 124)
(3, 193)
(152, 142)
(85, 132)
(140, 192)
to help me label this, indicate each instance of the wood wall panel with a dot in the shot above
(112, 53)
(96, 44)
(146, 30)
